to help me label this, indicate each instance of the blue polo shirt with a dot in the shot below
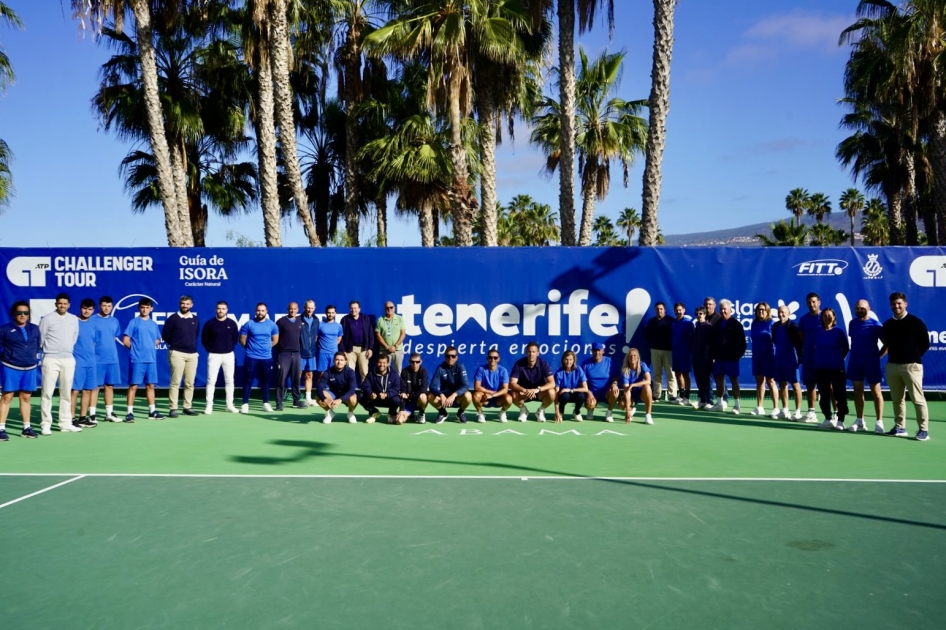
(809, 325)
(570, 380)
(143, 334)
(106, 351)
(84, 350)
(865, 335)
(629, 379)
(492, 380)
(329, 332)
(598, 374)
(259, 344)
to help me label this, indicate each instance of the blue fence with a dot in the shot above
(474, 299)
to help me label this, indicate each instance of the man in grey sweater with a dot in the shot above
(58, 332)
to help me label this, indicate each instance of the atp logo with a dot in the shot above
(873, 270)
(929, 271)
(29, 271)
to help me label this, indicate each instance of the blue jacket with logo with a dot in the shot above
(450, 380)
(309, 339)
(16, 351)
(341, 383)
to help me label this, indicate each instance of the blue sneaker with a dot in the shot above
(923, 436)
(3, 436)
(27, 432)
(898, 432)
(130, 418)
(156, 415)
(461, 416)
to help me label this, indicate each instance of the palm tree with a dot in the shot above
(784, 235)
(823, 235)
(6, 177)
(852, 202)
(874, 223)
(526, 223)
(604, 233)
(659, 104)
(606, 129)
(8, 17)
(797, 203)
(169, 161)
(629, 221)
(819, 205)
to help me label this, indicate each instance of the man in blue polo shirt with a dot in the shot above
(85, 377)
(602, 384)
(867, 335)
(143, 337)
(330, 335)
(19, 354)
(258, 336)
(107, 370)
(491, 387)
(532, 379)
(808, 325)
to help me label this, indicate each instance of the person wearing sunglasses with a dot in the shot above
(19, 349)
(414, 382)
(450, 387)
(491, 387)
(389, 333)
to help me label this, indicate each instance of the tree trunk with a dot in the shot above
(589, 189)
(487, 111)
(381, 206)
(280, 53)
(909, 198)
(352, 92)
(179, 168)
(657, 119)
(426, 220)
(566, 165)
(894, 217)
(938, 159)
(851, 216)
(198, 216)
(266, 152)
(159, 144)
(462, 208)
(435, 213)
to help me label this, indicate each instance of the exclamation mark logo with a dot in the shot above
(636, 306)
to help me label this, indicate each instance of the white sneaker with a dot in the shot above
(609, 417)
(371, 419)
(857, 426)
(244, 408)
(828, 424)
(648, 419)
(351, 418)
(758, 411)
(683, 402)
(268, 408)
(810, 417)
(797, 416)
(232, 409)
(329, 416)
(502, 416)
(776, 414)
(45, 431)
(578, 418)
(111, 417)
(540, 416)
(633, 411)
(878, 427)
(69, 428)
(523, 415)
(698, 405)
(719, 406)
(209, 409)
(735, 409)
(834, 417)
(480, 418)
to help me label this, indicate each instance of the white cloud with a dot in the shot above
(801, 29)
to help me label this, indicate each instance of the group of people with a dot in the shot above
(826, 355)
(328, 363)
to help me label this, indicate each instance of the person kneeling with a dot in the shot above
(337, 387)
(381, 389)
(450, 387)
(635, 379)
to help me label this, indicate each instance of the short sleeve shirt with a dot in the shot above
(329, 332)
(390, 329)
(570, 380)
(598, 374)
(84, 350)
(531, 377)
(631, 378)
(106, 351)
(492, 380)
(259, 338)
(143, 334)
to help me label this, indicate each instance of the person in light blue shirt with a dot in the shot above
(491, 387)
(602, 385)
(571, 386)
(635, 381)
(258, 336)
(85, 379)
(143, 337)
(107, 370)
(867, 348)
(330, 334)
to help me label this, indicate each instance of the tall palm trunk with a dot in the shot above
(909, 198)
(566, 165)
(198, 215)
(426, 220)
(266, 152)
(381, 207)
(179, 169)
(938, 158)
(170, 198)
(280, 52)
(851, 216)
(894, 215)
(657, 123)
(487, 111)
(352, 93)
(589, 188)
(462, 208)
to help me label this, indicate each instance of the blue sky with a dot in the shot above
(753, 114)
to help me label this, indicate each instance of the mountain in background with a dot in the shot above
(745, 236)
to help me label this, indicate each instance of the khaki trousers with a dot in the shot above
(662, 361)
(357, 357)
(183, 365)
(903, 378)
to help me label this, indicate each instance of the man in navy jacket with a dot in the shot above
(381, 389)
(450, 386)
(337, 387)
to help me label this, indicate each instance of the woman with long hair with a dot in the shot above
(831, 348)
(763, 357)
(571, 386)
(635, 380)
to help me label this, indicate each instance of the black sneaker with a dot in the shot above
(461, 416)
(300, 404)
(92, 418)
(441, 416)
(87, 422)
(171, 414)
(130, 418)
(6, 438)
(157, 415)
(27, 432)
(190, 412)
(279, 406)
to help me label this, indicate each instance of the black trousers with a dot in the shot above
(703, 369)
(389, 405)
(571, 397)
(288, 365)
(832, 382)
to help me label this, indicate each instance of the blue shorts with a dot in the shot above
(325, 361)
(108, 374)
(808, 375)
(309, 364)
(681, 362)
(726, 368)
(143, 374)
(84, 380)
(868, 371)
(786, 374)
(19, 380)
(636, 394)
(763, 366)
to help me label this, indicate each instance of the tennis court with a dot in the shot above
(276, 520)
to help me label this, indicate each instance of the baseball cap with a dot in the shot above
(597, 346)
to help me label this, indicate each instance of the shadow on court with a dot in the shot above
(307, 449)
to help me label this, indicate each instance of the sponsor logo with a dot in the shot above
(71, 271)
(929, 271)
(873, 270)
(28, 271)
(197, 271)
(820, 268)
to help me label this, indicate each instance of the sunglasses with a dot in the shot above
(493, 358)
(417, 362)
(451, 356)
(389, 308)
(22, 312)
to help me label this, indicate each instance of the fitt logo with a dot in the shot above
(29, 271)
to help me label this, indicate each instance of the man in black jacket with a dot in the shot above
(659, 333)
(180, 334)
(907, 339)
(414, 383)
(729, 347)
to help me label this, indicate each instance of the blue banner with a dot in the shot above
(478, 298)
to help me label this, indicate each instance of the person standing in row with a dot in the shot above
(309, 349)
(571, 386)
(219, 337)
(330, 335)
(682, 354)
(288, 362)
(831, 348)
(788, 353)
(907, 339)
(357, 339)
(390, 333)
(808, 325)
(730, 346)
(763, 357)
(19, 354)
(712, 315)
(659, 333)
(180, 333)
(83, 383)
(58, 332)
(107, 370)
(703, 335)
(258, 336)
(143, 337)
(867, 348)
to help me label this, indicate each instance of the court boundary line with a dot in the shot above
(77, 476)
(38, 492)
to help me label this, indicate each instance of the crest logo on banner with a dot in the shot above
(873, 270)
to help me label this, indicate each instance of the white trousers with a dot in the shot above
(214, 363)
(61, 371)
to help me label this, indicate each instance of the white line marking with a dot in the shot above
(33, 494)
(488, 477)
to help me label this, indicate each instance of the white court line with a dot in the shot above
(33, 494)
(486, 477)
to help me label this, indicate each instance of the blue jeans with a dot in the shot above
(259, 369)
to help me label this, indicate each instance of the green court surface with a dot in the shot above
(702, 520)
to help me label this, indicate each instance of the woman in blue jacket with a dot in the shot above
(831, 348)
(19, 354)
